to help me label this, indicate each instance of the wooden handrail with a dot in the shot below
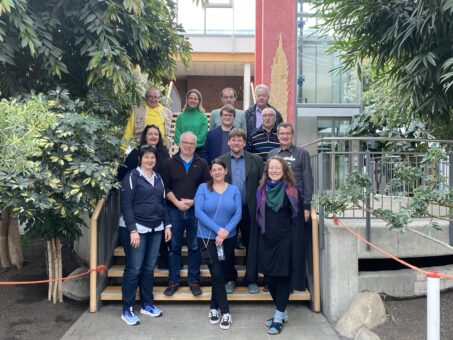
(316, 294)
(94, 253)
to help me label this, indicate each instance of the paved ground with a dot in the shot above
(190, 322)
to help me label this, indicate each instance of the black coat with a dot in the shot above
(298, 251)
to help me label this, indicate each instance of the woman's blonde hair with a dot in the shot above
(200, 100)
(288, 176)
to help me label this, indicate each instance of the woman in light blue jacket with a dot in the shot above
(218, 207)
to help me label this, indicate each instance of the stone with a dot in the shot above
(78, 288)
(365, 334)
(366, 310)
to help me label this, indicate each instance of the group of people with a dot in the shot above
(239, 175)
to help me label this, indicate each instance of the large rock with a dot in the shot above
(79, 288)
(365, 334)
(367, 310)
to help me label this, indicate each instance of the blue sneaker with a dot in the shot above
(130, 318)
(151, 310)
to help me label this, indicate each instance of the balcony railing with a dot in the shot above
(333, 159)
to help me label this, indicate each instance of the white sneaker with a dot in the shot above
(226, 321)
(214, 317)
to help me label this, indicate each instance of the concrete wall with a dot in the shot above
(340, 278)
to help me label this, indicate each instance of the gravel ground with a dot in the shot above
(407, 318)
(25, 312)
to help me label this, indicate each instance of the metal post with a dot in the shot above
(433, 307)
(450, 184)
(368, 201)
(320, 192)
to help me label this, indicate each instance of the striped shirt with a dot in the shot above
(262, 141)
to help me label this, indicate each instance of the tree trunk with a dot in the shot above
(54, 261)
(4, 253)
(49, 269)
(15, 248)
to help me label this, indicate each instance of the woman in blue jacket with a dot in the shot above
(145, 219)
(218, 207)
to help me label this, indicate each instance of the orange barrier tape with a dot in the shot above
(100, 269)
(432, 274)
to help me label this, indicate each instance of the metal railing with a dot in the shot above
(103, 240)
(333, 159)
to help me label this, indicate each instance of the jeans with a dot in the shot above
(139, 270)
(216, 268)
(181, 221)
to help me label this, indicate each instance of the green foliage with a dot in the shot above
(20, 125)
(79, 44)
(74, 168)
(410, 42)
(430, 188)
(351, 192)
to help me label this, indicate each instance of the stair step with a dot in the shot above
(113, 293)
(118, 269)
(119, 251)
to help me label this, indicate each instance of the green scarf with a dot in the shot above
(275, 192)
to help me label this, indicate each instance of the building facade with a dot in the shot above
(248, 42)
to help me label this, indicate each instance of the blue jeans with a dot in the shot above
(181, 221)
(139, 270)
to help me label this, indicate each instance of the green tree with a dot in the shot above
(78, 44)
(409, 41)
(20, 126)
(72, 169)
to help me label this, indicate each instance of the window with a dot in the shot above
(219, 17)
(320, 80)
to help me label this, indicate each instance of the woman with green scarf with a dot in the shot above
(192, 118)
(279, 237)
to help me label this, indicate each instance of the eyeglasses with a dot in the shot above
(228, 115)
(188, 143)
(275, 168)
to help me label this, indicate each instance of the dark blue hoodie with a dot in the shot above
(143, 203)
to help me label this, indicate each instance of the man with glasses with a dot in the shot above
(152, 113)
(182, 175)
(298, 160)
(264, 139)
(228, 96)
(217, 140)
(253, 116)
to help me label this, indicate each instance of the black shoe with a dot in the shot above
(171, 289)
(195, 288)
